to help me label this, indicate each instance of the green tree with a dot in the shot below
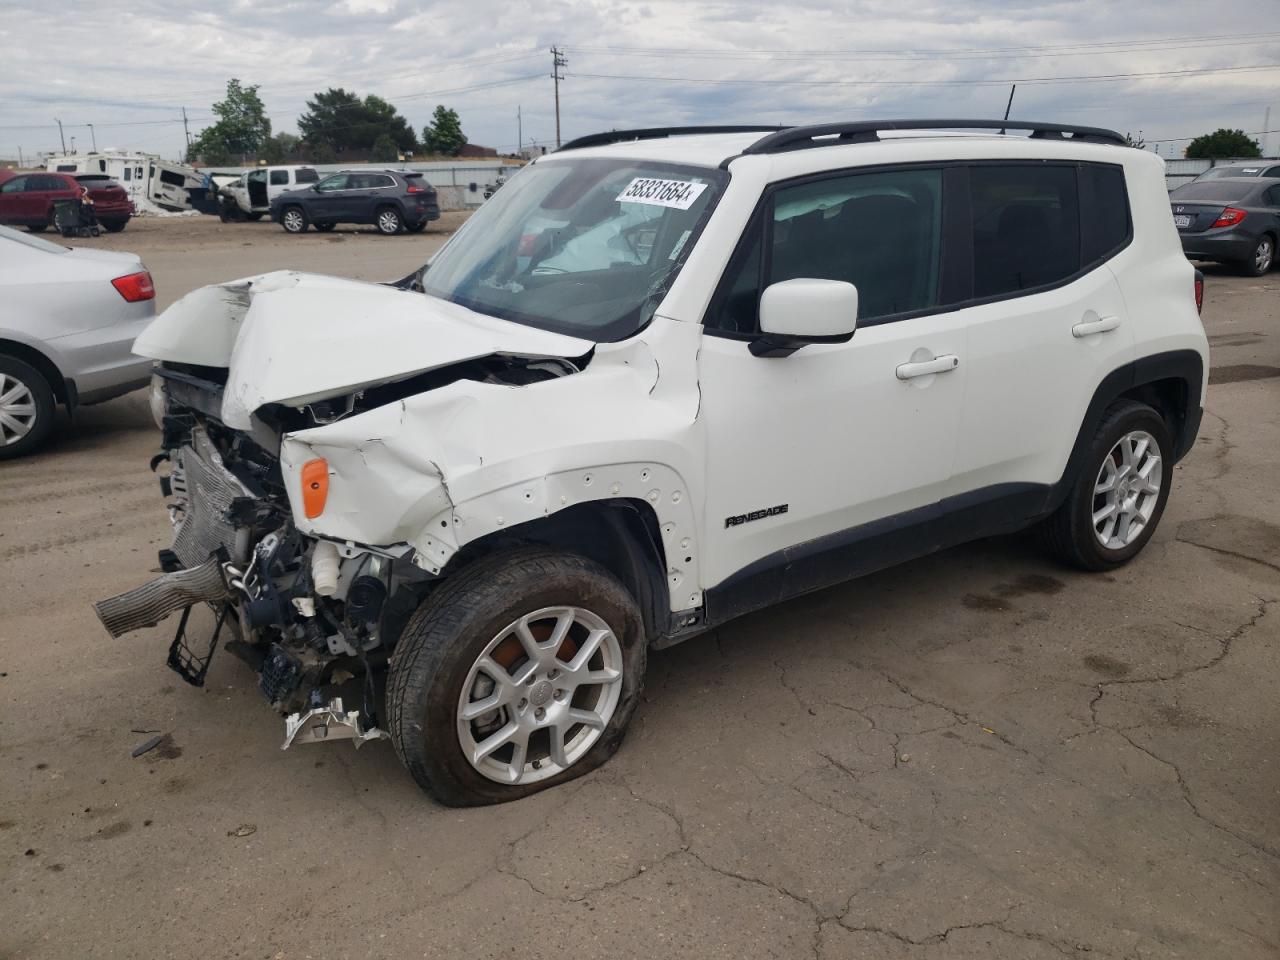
(384, 150)
(1138, 142)
(444, 135)
(1222, 144)
(341, 120)
(281, 148)
(241, 129)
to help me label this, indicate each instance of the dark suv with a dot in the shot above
(391, 200)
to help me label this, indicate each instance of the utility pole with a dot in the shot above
(1266, 131)
(186, 130)
(60, 136)
(557, 61)
(519, 132)
(94, 136)
(21, 165)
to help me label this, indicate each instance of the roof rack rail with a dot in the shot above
(656, 133)
(867, 131)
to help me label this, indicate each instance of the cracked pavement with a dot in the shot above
(978, 754)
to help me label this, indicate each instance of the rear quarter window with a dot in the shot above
(1026, 226)
(1105, 224)
(306, 175)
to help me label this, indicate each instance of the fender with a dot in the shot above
(1185, 366)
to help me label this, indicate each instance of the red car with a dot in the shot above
(26, 199)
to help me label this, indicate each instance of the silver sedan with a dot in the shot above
(68, 319)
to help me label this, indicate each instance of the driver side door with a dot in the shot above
(832, 461)
(328, 196)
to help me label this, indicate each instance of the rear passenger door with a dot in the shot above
(12, 196)
(1047, 321)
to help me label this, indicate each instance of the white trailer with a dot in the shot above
(151, 183)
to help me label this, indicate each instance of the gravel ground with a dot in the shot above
(978, 754)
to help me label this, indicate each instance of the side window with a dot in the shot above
(127, 172)
(279, 177)
(306, 175)
(15, 185)
(172, 178)
(1104, 212)
(47, 182)
(1026, 226)
(881, 232)
(1272, 197)
(337, 182)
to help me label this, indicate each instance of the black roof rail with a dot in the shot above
(656, 133)
(867, 131)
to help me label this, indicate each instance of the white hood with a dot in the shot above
(294, 338)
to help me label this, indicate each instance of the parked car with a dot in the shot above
(391, 200)
(1255, 168)
(660, 380)
(249, 196)
(1233, 220)
(68, 319)
(27, 199)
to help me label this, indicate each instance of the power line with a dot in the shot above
(1098, 78)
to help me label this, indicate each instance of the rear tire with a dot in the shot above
(294, 219)
(1262, 259)
(1119, 494)
(416, 227)
(27, 407)
(37, 227)
(471, 623)
(325, 227)
(388, 221)
(114, 226)
(254, 217)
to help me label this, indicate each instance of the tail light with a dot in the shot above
(417, 188)
(135, 287)
(1229, 217)
(315, 487)
(1199, 292)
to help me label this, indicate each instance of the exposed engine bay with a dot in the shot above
(308, 614)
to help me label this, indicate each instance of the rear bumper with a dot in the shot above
(425, 213)
(121, 210)
(1226, 245)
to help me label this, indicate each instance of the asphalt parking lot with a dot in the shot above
(977, 755)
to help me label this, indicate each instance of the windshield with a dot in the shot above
(1217, 172)
(1219, 190)
(583, 246)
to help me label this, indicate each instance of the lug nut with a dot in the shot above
(522, 704)
(559, 694)
(552, 674)
(539, 713)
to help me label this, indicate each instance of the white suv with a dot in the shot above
(660, 380)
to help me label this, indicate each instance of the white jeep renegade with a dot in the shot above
(662, 379)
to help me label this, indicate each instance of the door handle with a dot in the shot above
(1086, 327)
(923, 368)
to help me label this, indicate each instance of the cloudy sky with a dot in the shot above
(1169, 68)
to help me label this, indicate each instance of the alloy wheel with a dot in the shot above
(389, 221)
(293, 221)
(1263, 255)
(540, 695)
(17, 410)
(1127, 489)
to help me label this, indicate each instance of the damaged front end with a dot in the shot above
(309, 609)
(308, 614)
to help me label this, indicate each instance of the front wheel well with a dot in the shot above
(47, 368)
(622, 535)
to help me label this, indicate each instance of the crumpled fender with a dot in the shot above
(447, 467)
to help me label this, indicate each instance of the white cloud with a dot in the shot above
(178, 53)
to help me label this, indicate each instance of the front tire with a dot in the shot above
(325, 227)
(518, 673)
(388, 221)
(293, 219)
(416, 227)
(27, 408)
(1119, 495)
(37, 227)
(1262, 259)
(114, 226)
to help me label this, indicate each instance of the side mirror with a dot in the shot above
(796, 312)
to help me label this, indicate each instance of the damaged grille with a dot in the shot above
(204, 490)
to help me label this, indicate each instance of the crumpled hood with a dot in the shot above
(295, 338)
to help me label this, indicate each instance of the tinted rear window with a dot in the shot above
(306, 175)
(1104, 212)
(1026, 227)
(1212, 191)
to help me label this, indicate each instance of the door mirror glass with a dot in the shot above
(805, 310)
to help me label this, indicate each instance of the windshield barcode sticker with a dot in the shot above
(678, 194)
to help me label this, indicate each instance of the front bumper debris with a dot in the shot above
(330, 722)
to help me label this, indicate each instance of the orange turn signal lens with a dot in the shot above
(315, 487)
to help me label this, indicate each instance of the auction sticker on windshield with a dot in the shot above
(678, 194)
